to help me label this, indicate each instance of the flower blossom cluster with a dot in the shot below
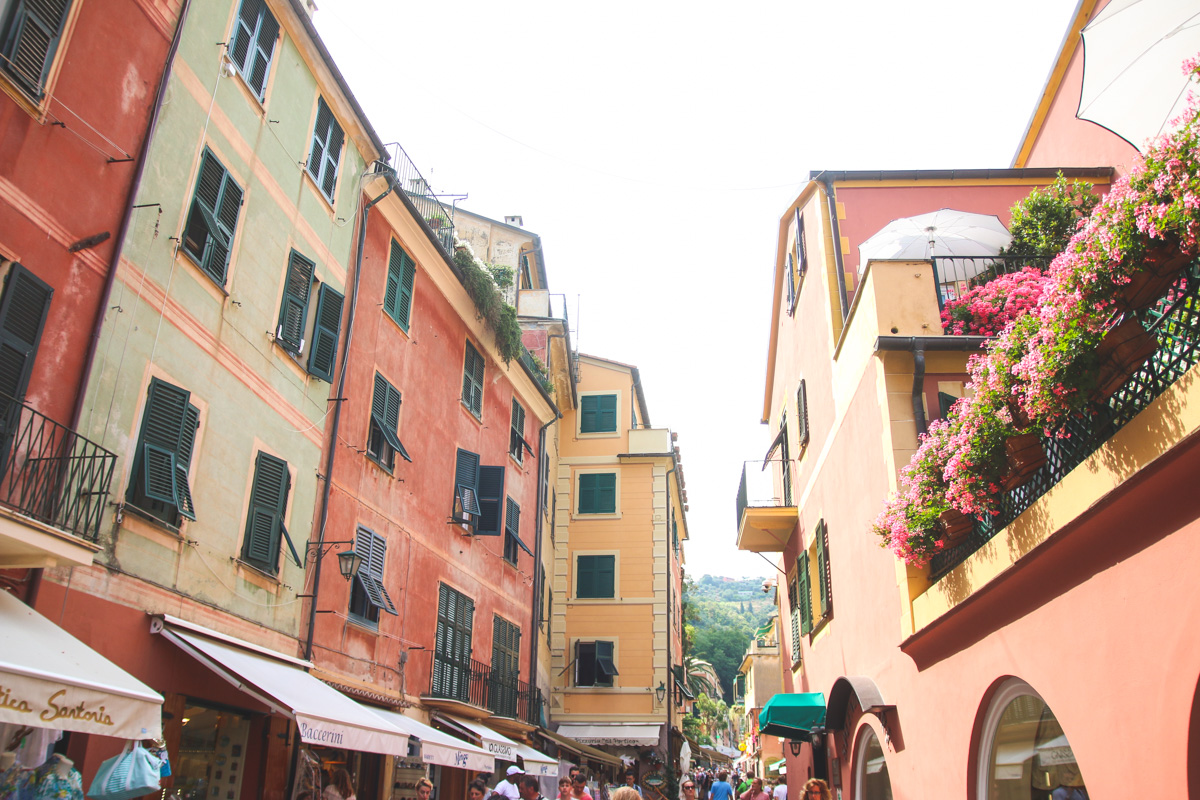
(988, 309)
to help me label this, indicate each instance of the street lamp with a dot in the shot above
(348, 560)
(794, 745)
(661, 691)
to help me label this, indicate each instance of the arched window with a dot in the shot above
(1024, 752)
(871, 780)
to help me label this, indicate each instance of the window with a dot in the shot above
(478, 492)
(397, 294)
(472, 393)
(383, 443)
(804, 594)
(793, 590)
(254, 37)
(824, 579)
(208, 237)
(264, 519)
(369, 596)
(327, 328)
(597, 493)
(594, 665)
(1024, 751)
(452, 645)
(802, 413)
(29, 40)
(785, 461)
(293, 311)
(158, 483)
(516, 437)
(598, 413)
(512, 532)
(789, 267)
(595, 576)
(23, 310)
(506, 667)
(871, 781)
(326, 150)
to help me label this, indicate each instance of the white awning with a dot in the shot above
(498, 745)
(324, 715)
(50, 679)
(612, 734)
(537, 763)
(440, 748)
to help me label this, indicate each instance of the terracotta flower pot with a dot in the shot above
(1121, 353)
(1160, 269)
(954, 526)
(1025, 457)
(1019, 417)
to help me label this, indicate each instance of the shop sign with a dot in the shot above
(654, 779)
(540, 768)
(51, 711)
(500, 750)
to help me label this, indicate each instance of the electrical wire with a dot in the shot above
(196, 549)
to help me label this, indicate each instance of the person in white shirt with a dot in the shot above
(780, 792)
(508, 786)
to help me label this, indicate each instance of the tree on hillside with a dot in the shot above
(723, 647)
(698, 676)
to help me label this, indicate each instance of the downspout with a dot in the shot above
(537, 557)
(831, 202)
(670, 695)
(917, 345)
(35, 576)
(337, 399)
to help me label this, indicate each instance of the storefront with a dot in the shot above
(51, 683)
(448, 761)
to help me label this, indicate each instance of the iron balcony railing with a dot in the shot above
(464, 681)
(1175, 322)
(50, 473)
(438, 215)
(758, 488)
(954, 276)
(509, 696)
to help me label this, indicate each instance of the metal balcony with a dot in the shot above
(54, 487)
(766, 516)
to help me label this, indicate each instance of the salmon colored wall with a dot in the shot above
(411, 507)
(56, 188)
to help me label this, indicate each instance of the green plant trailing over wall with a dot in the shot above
(1044, 221)
(489, 303)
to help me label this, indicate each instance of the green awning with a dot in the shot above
(792, 716)
(774, 767)
(764, 630)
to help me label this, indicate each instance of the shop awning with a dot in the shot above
(537, 763)
(440, 748)
(583, 750)
(50, 679)
(792, 716)
(613, 734)
(775, 765)
(324, 715)
(497, 744)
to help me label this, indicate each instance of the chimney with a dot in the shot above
(516, 220)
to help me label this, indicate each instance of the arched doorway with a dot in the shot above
(871, 781)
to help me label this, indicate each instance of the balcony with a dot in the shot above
(1177, 327)
(649, 441)
(955, 276)
(765, 520)
(54, 488)
(437, 215)
(475, 691)
(516, 706)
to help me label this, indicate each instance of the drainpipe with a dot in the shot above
(670, 695)
(537, 555)
(35, 576)
(338, 398)
(831, 203)
(917, 345)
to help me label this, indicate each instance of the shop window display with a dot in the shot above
(871, 779)
(212, 753)
(1026, 752)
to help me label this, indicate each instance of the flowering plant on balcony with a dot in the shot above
(986, 310)
(909, 525)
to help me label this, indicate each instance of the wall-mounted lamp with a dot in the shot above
(818, 736)
(794, 745)
(348, 560)
(661, 691)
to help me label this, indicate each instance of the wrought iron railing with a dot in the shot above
(757, 489)
(438, 215)
(954, 276)
(50, 473)
(466, 682)
(509, 696)
(1175, 322)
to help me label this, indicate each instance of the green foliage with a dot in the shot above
(722, 618)
(502, 275)
(1044, 222)
(489, 303)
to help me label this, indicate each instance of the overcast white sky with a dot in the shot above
(654, 145)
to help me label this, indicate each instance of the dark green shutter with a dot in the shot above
(397, 297)
(212, 221)
(183, 461)
(254, 44)
(166, 410)
(824, 577)
(466, 482)
(802, 412)
(598, 493)
(23, 312)
(801, 245)
(606, 668)
(598, 413)
(293, 311)
(326, 330)
(326, 149)
(373, 549)
(805, 590)
(597, 576)
(585, 663)
(587, 494)
(789, 265)
(472, 394)
(512, 525)
(31, 40)
(491, 493)
(264, 520)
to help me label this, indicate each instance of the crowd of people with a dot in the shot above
(703, 784)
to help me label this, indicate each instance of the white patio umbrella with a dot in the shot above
(1133, 50)
(947, 233)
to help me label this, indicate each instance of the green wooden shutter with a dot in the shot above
(802, 411)
(606, 493)
(227, 217)
(264, 520)
(293, 311)
(491, 495)
(466, 484)
(585, 580)
(516, 439)
(587, 494)
(31, 40)
(183, 461)
(606, 572)
(23, 312)
(212, 220)
(254, 44)
(441, 670)
(588, 422)
(326, 149)
(472, 394)
(607, 412)
(585, 663)
(326, 330)
(805, 590)
(801, 245)
(598, 413)
(397, 298)
(825, 579)
(606, 668)
(512, 526)
(373, 549)
(166, 410)
(789, 265)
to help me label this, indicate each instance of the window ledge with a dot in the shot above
(257, 575)
(477, 417)
(330, 205)
(142, 514)
(362, 623)
(379, 464)
(188, 258)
